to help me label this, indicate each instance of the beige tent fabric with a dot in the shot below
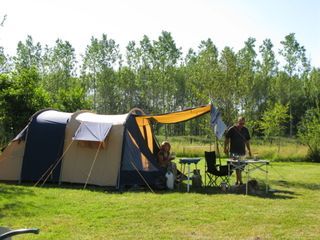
(78, 159)
(11, 161)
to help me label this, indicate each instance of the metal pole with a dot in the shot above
(188, 185)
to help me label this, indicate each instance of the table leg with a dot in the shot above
(188, 185)
(247, 180)
(228, 163)
(267, 180)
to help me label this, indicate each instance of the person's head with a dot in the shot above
(165, 145)
(241, 122)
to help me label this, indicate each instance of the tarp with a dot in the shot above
(218, 126)
(175, 117)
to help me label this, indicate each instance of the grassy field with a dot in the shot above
(287, 151)
(290, 211)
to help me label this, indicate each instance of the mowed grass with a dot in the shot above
(290, 211)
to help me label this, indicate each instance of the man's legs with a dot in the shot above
(239, 176)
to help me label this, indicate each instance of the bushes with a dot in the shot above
(313, 156)
(309, 133)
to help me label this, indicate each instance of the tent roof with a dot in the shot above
(176, 117)
(97, 118)
(53, 116)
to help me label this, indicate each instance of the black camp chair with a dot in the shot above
(9, 234)
(215, 171)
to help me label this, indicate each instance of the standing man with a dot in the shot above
(237, 139)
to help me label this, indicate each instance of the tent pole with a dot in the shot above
(217, 149)
(134, 166)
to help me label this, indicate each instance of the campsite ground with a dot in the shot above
(291, 211)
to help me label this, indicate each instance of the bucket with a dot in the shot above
(170, 180)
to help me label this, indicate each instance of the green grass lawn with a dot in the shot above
(291, 211)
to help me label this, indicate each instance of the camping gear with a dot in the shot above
(223, 186)
(188, 161)
(196, 179)
(170, 180)
(89, 148)
(215, 171)
(249, 166)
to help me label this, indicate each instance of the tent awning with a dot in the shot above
(92, 131)
(176, 117)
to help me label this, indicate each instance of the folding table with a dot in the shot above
(249, 166)
(184, 161)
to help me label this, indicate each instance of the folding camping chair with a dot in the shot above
(215, 171)
(6, 234)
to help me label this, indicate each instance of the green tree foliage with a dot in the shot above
(227, 90)
(155, 76)
(98, 72)
(72, 100)
(5, 65)
(166, 56)
(312, 89)
(273, 120)
(28, 55)
(265, 76)
(20, 97)
(309, 133)
(203, 73)
(247, 86)
(60, 62)
(296, 66)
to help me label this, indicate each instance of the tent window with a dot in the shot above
(91, 134)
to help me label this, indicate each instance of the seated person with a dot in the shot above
(165, 158)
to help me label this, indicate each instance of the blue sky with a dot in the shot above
(226, 22)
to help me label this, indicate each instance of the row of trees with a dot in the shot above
(157, 77)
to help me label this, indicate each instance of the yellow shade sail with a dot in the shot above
(174, 117)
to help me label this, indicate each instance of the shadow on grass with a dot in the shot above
(12, 193)
(308, 186)
(12, 190)
(261, 193)
(73, 186)
(209, 190)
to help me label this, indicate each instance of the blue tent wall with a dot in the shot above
(44, 147)
(131, 155)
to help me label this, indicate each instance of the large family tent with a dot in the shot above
(88, 148)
